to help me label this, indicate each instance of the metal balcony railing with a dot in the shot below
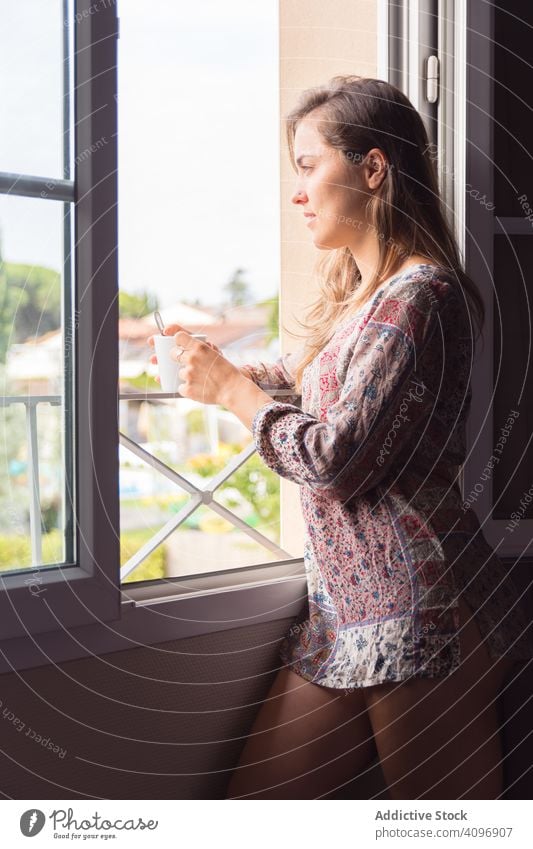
(198, 495)
(30, 403)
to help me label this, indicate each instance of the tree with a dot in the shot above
(132, 305)
(7, 310)
(239, 291)
(273, 317)
(30, 302)
(13, 496)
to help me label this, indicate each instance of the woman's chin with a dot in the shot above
(323, 243)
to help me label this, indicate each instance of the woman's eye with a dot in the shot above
(305, 168)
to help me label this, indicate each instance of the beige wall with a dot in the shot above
(318, 39)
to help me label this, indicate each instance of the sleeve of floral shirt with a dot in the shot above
(277, 378)
(390, 389)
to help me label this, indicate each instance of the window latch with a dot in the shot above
(432, 79)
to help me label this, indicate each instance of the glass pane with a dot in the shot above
(199, 443)
(204, 542)
(32, 37)
(253, 493)
(215, 145)
(198, 148)
(513, 104)
(513, 374)
(209, 543)
(35, 396)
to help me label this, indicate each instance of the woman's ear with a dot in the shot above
(376, 167)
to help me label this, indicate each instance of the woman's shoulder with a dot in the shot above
(422, 282)
(418, 293)
(419, 290)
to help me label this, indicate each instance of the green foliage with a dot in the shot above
(258, 484)
(155, 564)
(273, 317)
(13, 431)
(15, 552)
(206, 465)
(50, 514)
(144, 382)
(131, 305)
(195, 421)
(30, 303)
(238, 289)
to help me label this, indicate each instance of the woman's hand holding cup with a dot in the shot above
(192, 366)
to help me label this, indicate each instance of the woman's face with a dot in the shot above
(331, 190)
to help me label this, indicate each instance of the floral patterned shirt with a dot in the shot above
(376, 441)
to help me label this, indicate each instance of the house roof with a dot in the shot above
(184, 314)
(243, 328)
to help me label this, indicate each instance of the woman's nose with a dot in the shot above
(299, 196)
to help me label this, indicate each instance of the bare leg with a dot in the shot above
(438, 738)
(306, 741)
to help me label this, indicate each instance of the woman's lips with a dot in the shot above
(310, 219)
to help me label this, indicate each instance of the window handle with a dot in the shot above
(432, 79)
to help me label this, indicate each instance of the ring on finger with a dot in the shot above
(179, 351)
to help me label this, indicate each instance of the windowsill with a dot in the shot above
(164, 610)
(164, 590)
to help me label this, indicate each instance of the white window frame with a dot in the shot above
(89, 594)
(86, 589)
(38, 608)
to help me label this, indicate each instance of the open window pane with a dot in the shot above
(31, 86)
(198, 147)
(59, 359)
(199, 239)
(192, 470)
(36, 355)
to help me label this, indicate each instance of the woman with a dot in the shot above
(409, 628)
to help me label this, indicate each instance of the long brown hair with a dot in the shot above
(353, 115)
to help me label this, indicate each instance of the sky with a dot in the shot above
(198, 142)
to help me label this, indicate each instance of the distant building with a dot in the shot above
(36, 365)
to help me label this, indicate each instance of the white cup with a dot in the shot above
(169, 368)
